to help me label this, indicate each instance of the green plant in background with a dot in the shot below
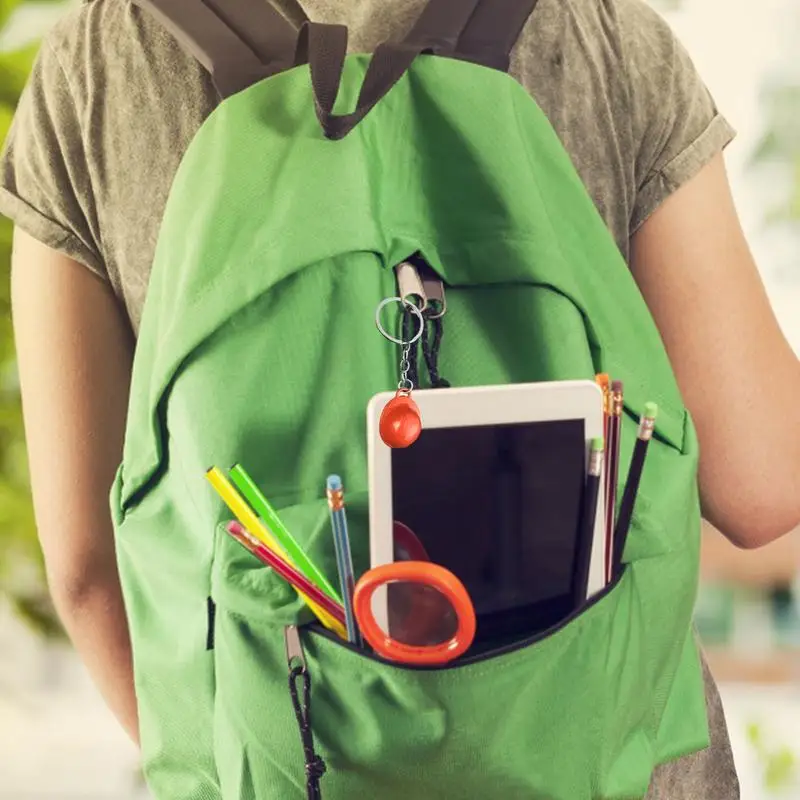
(21, 571)
(781, 768)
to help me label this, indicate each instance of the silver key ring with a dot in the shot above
(406, 304)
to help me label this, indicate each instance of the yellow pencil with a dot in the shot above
(237, 504)
(255, 527)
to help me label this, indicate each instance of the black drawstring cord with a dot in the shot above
(430, 350)
(431, 339)
(315, 766)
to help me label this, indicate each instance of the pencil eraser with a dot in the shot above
(616, 386)
(650, 410)
(597, 444)
(334, 483)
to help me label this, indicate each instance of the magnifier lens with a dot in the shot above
(419, 614)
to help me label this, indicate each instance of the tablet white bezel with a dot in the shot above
(482, 405)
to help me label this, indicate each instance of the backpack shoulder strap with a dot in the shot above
(237, 41)
(324, 48)
(481, 31)
(493, 30)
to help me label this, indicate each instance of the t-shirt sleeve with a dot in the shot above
(44, 181)
(677, 128)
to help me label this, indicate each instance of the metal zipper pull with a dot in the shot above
(410, 286)
(294, 648)
(434, 293)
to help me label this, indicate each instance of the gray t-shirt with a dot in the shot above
(113, 103)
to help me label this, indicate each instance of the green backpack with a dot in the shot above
(258, 345)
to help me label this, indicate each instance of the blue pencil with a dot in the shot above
(344, 557)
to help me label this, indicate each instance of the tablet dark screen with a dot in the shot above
(499, 506)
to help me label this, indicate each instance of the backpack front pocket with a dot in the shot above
(562, 716)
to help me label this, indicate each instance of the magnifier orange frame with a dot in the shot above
(433, 576)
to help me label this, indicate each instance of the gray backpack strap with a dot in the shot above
(270, 35)
(492, 32)
(239, 42)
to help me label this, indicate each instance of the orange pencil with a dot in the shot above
(615, 432)
(604, 382)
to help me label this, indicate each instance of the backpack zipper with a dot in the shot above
(497, 652)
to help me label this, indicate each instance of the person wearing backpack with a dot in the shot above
(164, 254)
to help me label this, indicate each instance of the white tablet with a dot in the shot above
(493, 491)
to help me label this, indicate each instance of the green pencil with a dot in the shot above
(248, 487)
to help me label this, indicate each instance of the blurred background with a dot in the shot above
(57, 740)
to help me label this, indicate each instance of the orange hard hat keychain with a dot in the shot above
(401, 422)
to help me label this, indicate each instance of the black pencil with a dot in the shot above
(583, 551)
(645, 434)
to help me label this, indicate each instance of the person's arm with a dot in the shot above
(74, 349)
(738, 375)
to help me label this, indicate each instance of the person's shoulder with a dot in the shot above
(640, 15)
(624, 19)
(100, 34)
(83, 21)
(642, 27)
(636, 41)
(606, 34)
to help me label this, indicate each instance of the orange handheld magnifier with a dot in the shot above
(431, 617)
